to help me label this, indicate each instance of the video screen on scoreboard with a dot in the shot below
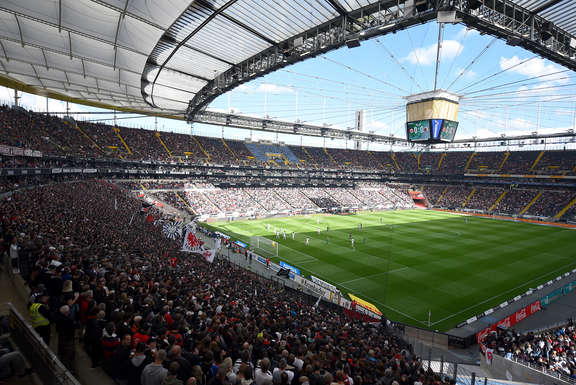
(418, 130)
(448, 131)
(436, 127)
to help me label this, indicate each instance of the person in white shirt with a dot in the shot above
(262, 376)
(277, 373)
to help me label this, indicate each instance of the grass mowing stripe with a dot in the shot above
(413, 261)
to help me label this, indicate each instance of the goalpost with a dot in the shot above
(264, 246)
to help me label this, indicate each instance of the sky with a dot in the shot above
(503, 89)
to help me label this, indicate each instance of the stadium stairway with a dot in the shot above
(329, 155)
(310, 156)
(378, 162)
(469, 161)
(393, 157)
(283, 200)
(565, 209)
(441, 196)
(117, 132)
(185, 203)
(201, 147)
(531, 203)
(440, 161)
(537, 160)
(495, 204)
(506, 156)
(229, 149)
(163, 144)
(84, 134)
(469, 197)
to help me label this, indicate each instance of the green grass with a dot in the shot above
(416, 261)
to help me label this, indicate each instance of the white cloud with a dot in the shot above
(427, 55)
(270, 88)
(466, 75)
(466, 33)
(274, 88)
(376, 125)
(533, 68)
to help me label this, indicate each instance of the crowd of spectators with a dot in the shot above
(483, 198)
(553, 350)
(56, 136)
(267, 198)
(550, 202)
(515, 200)
(146, 313)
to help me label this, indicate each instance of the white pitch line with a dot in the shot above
(374, 275)
(499, 295)
(386, 306)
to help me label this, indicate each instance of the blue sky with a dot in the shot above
(504, 89)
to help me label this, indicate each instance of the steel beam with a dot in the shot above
(500, 18)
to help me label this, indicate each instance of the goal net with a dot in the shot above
(264, 246)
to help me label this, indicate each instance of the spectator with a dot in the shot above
(66, 329)
(155, 373)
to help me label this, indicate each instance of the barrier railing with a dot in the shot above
(551, 373)
(46, 364)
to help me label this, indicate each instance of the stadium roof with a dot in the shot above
(155, 56)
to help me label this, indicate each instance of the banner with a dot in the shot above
(313, 286)
(210, 254)
(290, 267)
(547, 300)
(191, 244)
(365, 304)
(324, 284)
(568, 288)
(509, 321)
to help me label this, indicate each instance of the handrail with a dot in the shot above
(46, 363)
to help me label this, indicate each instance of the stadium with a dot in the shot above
(285, 192)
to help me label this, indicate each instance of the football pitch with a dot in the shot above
(413, 264)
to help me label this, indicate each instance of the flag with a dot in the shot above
(149, 218)
(191, 244)
(317, 302)
(172, 229)
(210, 254)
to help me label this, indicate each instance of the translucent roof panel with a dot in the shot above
(155, 55)
(562, 13)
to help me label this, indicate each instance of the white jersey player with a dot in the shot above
(352, 242)
(307, 241)
(293, 235)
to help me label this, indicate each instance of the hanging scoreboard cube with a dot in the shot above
(432, 117)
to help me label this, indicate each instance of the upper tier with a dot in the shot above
(55, 136)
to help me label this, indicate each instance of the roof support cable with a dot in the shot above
(365, 74)
(483, 80)
(474, 61)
